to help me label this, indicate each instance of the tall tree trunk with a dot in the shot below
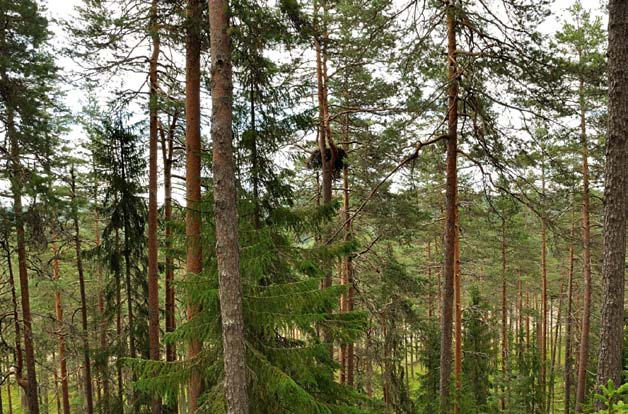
(104, 369)
(167, 146)
(63, 368)
(504, 318)
(612, 321)
(583, 356)
(89, 397)
(194, 263)
(324, 136)
(225, 211)
(347, 360)
(570, 322)
(153, 241)
(17, 180)
(19, 361)
(554, 351)
(120, 337)
(543, 333)
(451, 213)
(457, 321)
(430, 299)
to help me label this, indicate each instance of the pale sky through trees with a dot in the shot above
(63, 10)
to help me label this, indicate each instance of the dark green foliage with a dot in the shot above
(290, 367)
(119, 164)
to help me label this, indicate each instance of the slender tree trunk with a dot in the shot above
(612, 321)
(120, 337)
(324, 136)
(544, 314)
(504, 318)
(10, 398)
(19, 361)
(63, 369)
(430, 299)
(56, 381)
(18, 337)
(527, 319)
(451, 213)
(554, 351)
(457, 321)
(347, 363)
(153, 241)
(225, 211)
(324, 128)
(16, 187)
(104, 369)
(569, 328)
(583, 356)
(167, 145)
(194, 264)
(89, 397)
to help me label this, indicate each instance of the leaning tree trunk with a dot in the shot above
(89, 396)
(612, 321)
(194, 264)
(451, 214)
(225, 211)
(153, 242)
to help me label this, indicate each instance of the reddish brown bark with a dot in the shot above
(194, 263)
(570, 322)
(457, 321)
(449, 271)
(225, 211)
(16, 187)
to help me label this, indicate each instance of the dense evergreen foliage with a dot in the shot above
(313, 206)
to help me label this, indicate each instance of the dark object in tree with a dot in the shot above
(338, 161)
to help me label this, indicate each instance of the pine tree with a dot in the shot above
(27, 72)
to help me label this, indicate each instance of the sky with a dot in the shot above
(75, 98)
(64, 10)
